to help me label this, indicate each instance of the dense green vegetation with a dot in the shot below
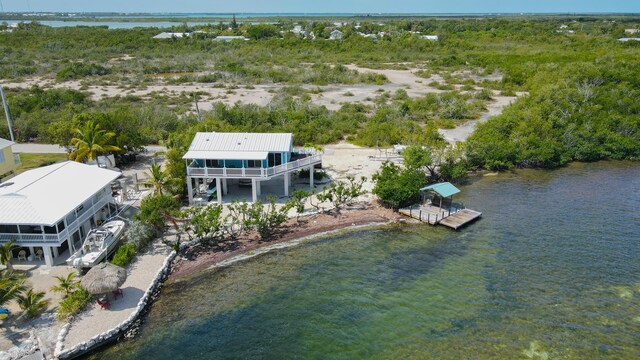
(75, 302)
(582, 86)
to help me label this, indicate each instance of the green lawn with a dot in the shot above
(30, 161)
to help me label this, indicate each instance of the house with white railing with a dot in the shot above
(215, 161)
(49, 210)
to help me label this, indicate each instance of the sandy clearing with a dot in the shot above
(331, 96)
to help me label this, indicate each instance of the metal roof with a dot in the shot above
(5, 143)
(47, 194)
(222, 143)
(226, 155)
(169, 35)
(444, 189)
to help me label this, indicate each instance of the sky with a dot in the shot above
(325, 6)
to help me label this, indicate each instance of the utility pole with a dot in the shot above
(7, 114)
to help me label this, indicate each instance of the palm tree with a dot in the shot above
(66, 284)
(6, 251)
(32, 302)
(91, 142)
(11, 285)
(156, 179)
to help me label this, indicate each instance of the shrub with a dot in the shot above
(317, 174)
(32, 303)
(140, 234)
(80, 70)
(73, 304)
(124, 255)
(396, 187)
(155, 209)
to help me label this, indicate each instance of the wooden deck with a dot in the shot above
(460, 218)
(453, 217)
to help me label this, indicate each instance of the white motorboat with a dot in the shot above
(97, 245)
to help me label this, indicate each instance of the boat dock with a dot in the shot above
(455, 216)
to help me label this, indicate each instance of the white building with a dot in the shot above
(335, 35)
(216, 159)
(49, 210)
(628, 39)
(430, 37)
(229, 38)
(170, 35)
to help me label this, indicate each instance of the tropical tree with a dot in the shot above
(32, 302)
(12, 284)
(90, 142)
(6, 251)
(156, 179)
(66, 284)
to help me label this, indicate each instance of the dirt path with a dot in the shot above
(462, 132)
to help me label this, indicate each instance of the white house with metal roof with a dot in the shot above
(53, 207)
(215, 159)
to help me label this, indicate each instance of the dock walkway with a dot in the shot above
(454, 217)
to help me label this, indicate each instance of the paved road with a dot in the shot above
(30, 148)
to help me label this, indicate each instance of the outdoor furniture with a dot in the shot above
(39, 254)
(117, 292)
(22, 255)
(104, 304)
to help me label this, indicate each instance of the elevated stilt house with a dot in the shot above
(49, 210)
(216, 160)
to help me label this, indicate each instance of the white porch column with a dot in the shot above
(32, 251)
(311, 177)
(225, 187)
(286, 184)
(254, 189)
(55, 252)
(47, 256)
(259, 183)
(219, 191)
(190, 189)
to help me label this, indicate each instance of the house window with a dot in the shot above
(2, 157)
(8, 229)
(254, 163)
(212, 163)
(30, 229)
(275, 159)
(50, 230)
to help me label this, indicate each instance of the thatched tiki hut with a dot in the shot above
(103, 278)
(440, 194)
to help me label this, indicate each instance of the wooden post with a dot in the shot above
(420, 215)
(410, 209)
(443, 214)
(428, 216)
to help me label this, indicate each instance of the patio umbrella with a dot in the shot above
(103, 278)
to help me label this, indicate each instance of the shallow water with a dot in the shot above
(552, 270)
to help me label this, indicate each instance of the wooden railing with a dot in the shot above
(254, 172)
